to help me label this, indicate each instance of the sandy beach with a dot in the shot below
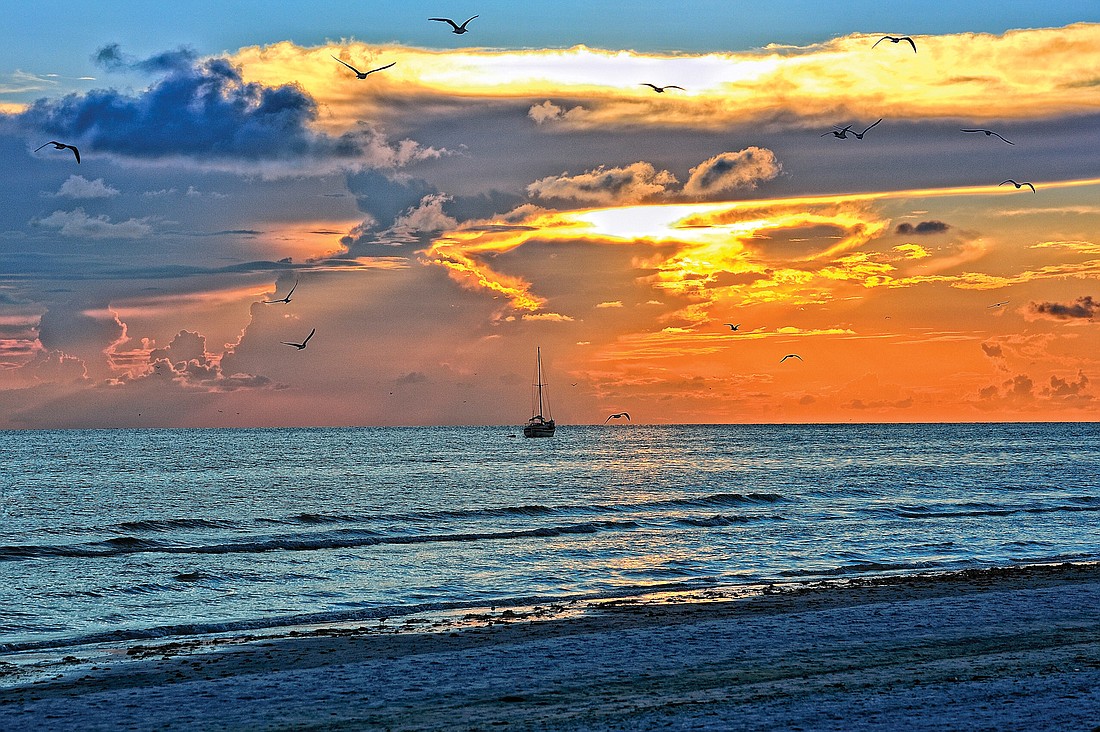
(1012, 648)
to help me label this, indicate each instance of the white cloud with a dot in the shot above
(630, 184)
(427, 216)
(77, 186)
(79, 224)
(550, 112)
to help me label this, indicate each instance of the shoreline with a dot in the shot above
(778, 655)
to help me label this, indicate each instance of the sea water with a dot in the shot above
(126, 534)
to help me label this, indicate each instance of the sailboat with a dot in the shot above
(539, 426)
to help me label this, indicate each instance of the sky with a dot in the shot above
(520, 186)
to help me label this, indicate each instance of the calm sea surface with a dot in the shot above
(152, 533)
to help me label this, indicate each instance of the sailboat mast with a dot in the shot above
(538, 359)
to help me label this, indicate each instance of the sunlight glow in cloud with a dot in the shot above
(966, 75)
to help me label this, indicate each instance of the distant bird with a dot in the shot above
(896, 39)
(988, 133)
(284, 299)
(301, 345)
(61, 146)
(459, 29)
(661, 89)
(839, 132)
(1002, 303)
(364, 74)
(1018, 185)
(859, 135)
(618, 415)
(790, 355)
(733, 326)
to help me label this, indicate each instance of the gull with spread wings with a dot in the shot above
(988, 133)
(661, 89)
(283, 299)
(840, 132)
(459, 29)
(61, 146)
(1018, 185)
(364, 74)
(859, 135)
(301, 345)
(617, 415)
(896, 39)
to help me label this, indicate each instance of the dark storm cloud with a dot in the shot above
(1083, 308)
(1070, 391)
(482, 206)
(199, 108)
(67, 327)
(385, 197)
(225, 232)
(993, 350)
(388, 200)
(186, 359)
(112, 58)
(924, 227)
(1018, 389)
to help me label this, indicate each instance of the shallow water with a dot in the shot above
(149, 533)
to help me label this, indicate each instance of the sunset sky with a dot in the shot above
(519, 186)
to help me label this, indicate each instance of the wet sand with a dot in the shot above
(1011, 648)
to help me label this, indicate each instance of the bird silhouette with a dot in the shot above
(301, 345)
(988, 133)
(617, 415)
(840, 132)
(1002, 303)
(859, 135)
(790, 355)
(364, 74)
(61, 146)
(459, 29)
(733, 326)
(896, 39)
(284, 299)
(661, 89)
(1018, 185)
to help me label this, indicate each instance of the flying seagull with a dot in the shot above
(840, 132)
(284, 299)
(1002, 303)
(790, 355)
(859, 135)
(301, 345)
(61, 146)
(1018, 185)
(896, 39)
(364, 74)
(617, 416)
(459, 29)
(733, 326)
(661, 89)
(988, 133)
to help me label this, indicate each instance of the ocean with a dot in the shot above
(114, 535)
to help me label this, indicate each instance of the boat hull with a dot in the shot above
(544, 429)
